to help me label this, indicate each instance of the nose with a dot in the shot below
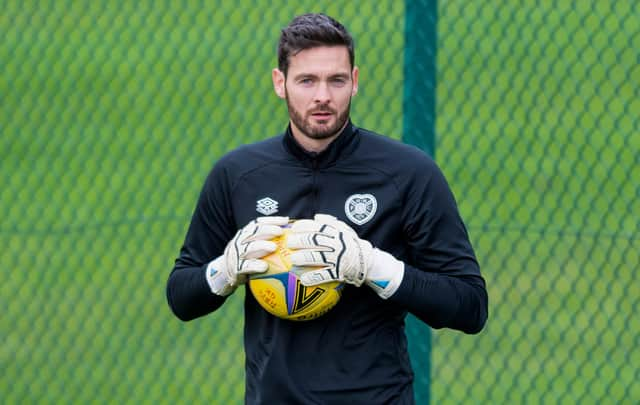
(323, 94)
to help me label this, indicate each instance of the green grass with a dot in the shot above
(112, 113)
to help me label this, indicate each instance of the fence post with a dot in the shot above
(419, 130)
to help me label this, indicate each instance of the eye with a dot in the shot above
(338, 81)
(306, 81)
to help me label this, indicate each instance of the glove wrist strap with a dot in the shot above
(216, 279)
(386, 273)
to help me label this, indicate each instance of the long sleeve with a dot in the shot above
(188, 292)
(457, 302)
(189, 295)
(442, 284)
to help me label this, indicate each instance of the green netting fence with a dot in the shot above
(112, 113)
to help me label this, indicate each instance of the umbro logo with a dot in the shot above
(267, 206)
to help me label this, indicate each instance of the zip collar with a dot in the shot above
(341, 146)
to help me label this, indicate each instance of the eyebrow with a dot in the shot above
(314, 76)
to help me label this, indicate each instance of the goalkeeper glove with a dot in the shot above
(334, 252)
(242, 255)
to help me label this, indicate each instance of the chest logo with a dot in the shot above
(267, 206)
(360, 208)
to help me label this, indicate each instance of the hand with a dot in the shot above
(242, 256)
(334, 252)
(332, 248)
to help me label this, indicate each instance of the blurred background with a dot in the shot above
(113, 112)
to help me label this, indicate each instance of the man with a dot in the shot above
(372, 212)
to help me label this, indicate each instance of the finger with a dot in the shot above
(334, 222)
(279, 221)
(306, 225)
(300, 241)
(325, 218)
(253, 266)
(303, 241)
(308, 258)
(263, 232)
(315, 277)
(343, 227)
(258, 249)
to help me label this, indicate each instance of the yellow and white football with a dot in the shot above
(280, 292)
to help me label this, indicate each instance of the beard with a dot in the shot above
(318, 131)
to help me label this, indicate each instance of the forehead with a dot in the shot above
(320, 60)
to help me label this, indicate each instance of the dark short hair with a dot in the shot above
(309, 31)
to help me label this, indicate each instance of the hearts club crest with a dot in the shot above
(360, 208)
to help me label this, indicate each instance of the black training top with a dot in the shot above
(356, 353)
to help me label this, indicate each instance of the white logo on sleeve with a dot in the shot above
(360, 208)
(267, 206)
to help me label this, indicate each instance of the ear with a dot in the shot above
(278, 82)
(354, 74)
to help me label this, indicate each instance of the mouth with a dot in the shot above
(321, 115)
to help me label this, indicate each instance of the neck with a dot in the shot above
(313, 144)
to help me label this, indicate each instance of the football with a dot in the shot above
(280, 292)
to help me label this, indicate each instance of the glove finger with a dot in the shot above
(306, 225)
(264, 232)
(252, 266)
(258, 249)
(301, 241)
(279, 221)
(334, 222)
(314, 277)
(308, 258)
(258, 232)
(325, 219)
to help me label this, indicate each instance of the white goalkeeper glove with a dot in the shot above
(334, 252)
(242, 255)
